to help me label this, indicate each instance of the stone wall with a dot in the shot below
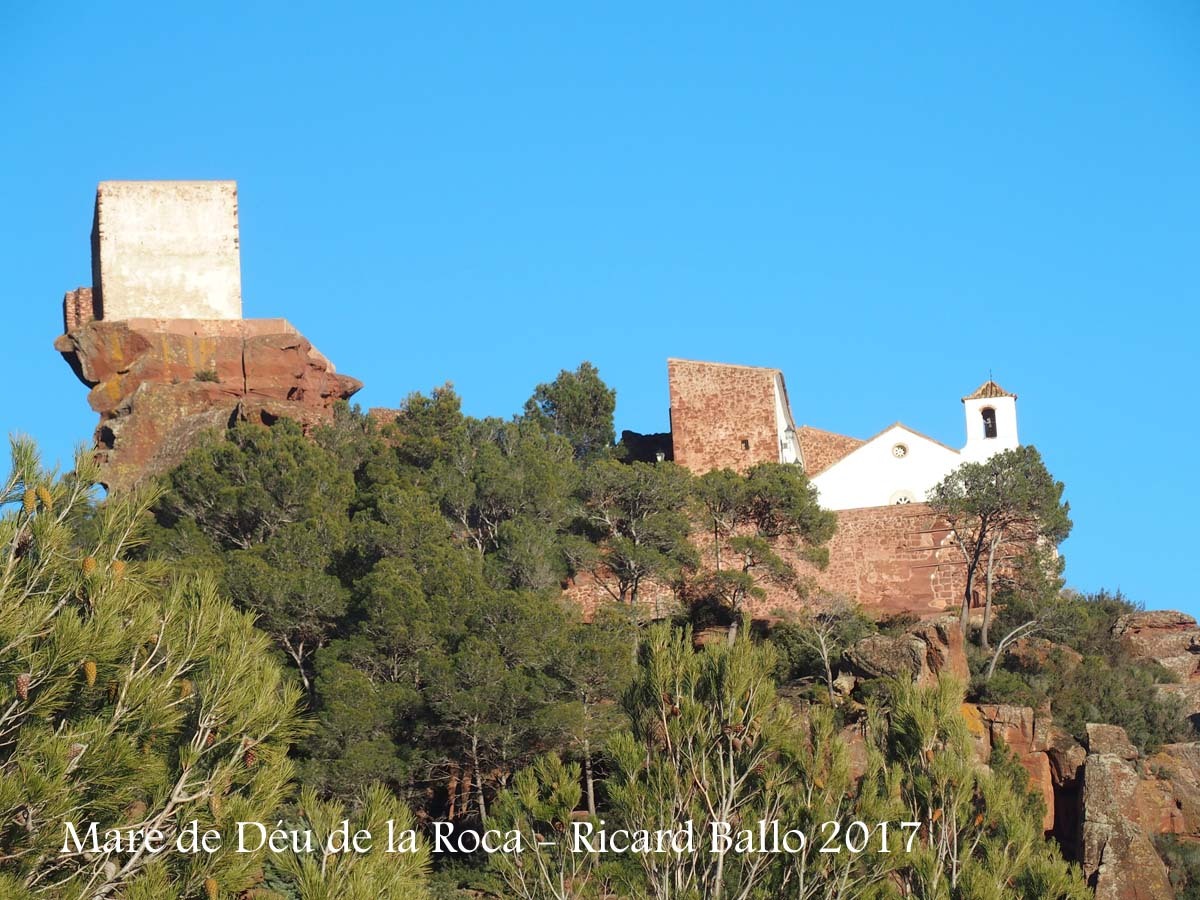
(166, 249)
(890, 559)
(894, 559)
(722, 415)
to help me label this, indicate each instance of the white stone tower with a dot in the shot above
(991, 413)
(166, 250)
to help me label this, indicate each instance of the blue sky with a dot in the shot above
(886, 206)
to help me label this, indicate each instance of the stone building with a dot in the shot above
(159, 336)
(890, 552)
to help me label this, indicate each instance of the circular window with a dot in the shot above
(900, 451)
(902, 497)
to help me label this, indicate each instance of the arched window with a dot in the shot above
(989, 422)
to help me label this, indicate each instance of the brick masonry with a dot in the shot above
(78, 308)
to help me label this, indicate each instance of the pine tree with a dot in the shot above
(130, 696)
(332, 872)
(980, 833)
(540, 806)
(705, 748)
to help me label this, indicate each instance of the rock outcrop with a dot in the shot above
(1027, 737)
(160, 339)
(158, 383)
(1118, 855)
(922, 653)
(1171, 639)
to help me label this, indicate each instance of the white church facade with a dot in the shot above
(899, 465)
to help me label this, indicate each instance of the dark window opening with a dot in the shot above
(745, 444)
(989, 422)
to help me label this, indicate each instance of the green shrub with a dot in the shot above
(1182, 857)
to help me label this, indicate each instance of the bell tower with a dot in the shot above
(991, 414)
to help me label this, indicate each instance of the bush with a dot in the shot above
(1106, 686)
(1182, 857)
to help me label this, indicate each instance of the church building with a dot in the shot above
(726, 416)
(890, 552)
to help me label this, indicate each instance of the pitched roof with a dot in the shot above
(821, 449)
(988, 390)
(911, 431)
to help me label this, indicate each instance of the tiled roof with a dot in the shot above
(821, 449)
(988, 390)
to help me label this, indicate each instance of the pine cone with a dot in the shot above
(29, 501)
(249, 757)
(44, 496)
(23, 685)
(118, 568)
(211, 739)
(211, 890)
(89, 672)
(89, 565)
(113, 689)
(214, 805)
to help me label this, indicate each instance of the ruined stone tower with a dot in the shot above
(159, 336)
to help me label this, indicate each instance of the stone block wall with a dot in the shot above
(890, 559)
(166, 250)
(894, 559)
(722, 415)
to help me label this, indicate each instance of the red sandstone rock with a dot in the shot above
(1110, 740)
(881, 656)
(855, 737)
(1170, 638)
(1189, 695)
(159, 383)
(1117, 852)
(923, 653)
(1029, 736)
(1038, 653)
(1177, 766)
(945, 653)
(714, 634)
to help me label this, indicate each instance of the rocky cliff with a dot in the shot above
(158, 383)
(1105, 803)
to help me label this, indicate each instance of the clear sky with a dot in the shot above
(885, 205)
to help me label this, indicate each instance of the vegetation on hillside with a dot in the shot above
(369, 623)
